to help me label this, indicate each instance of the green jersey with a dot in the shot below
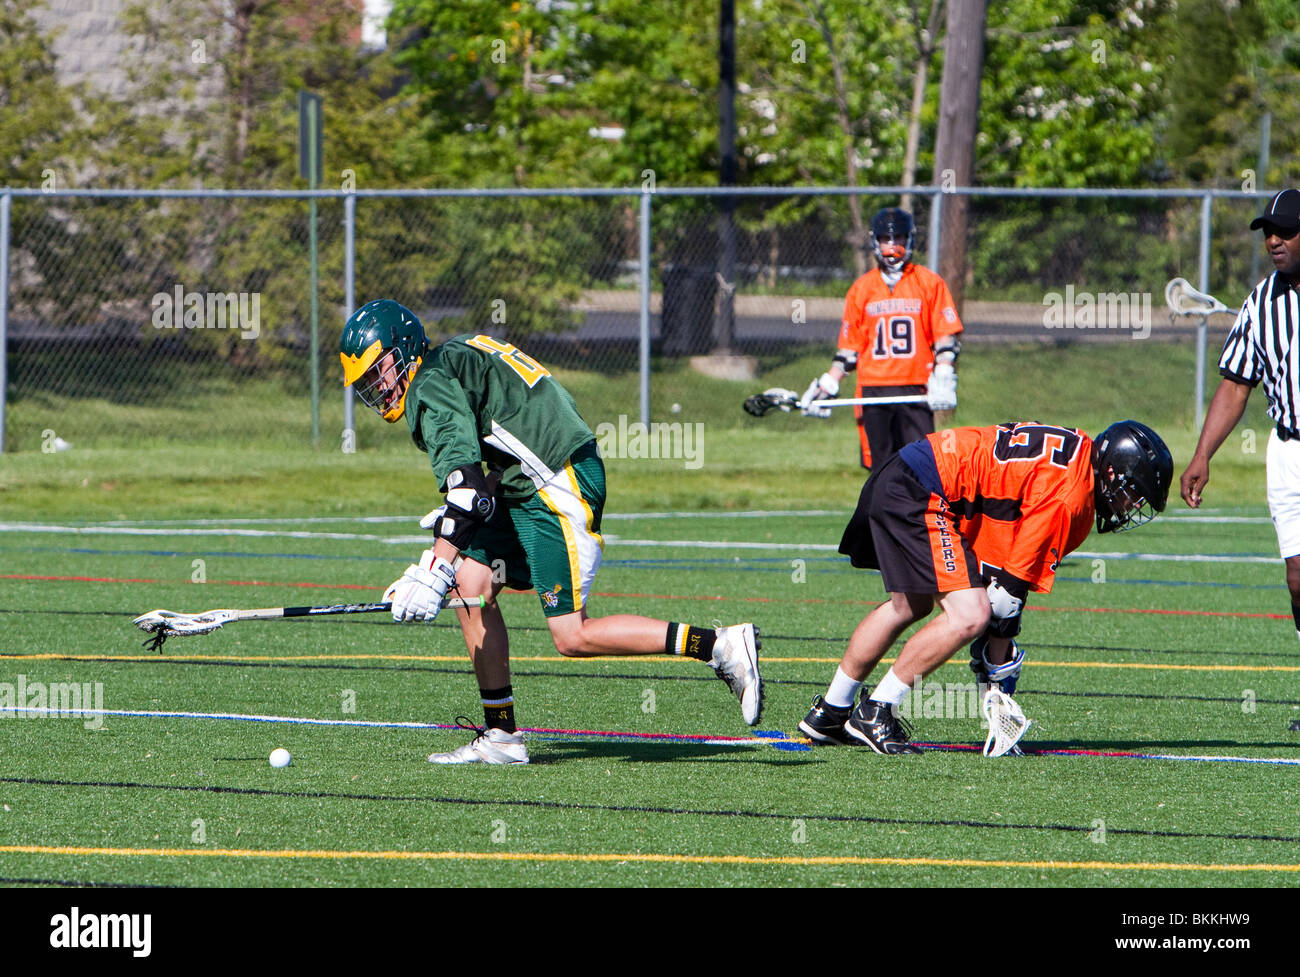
(477, 399)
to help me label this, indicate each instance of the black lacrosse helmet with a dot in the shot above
(1133, 470)
(893, 233)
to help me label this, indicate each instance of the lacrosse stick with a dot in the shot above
(1007, 723)
(166, 624)
(1182, 299)
(778, 398)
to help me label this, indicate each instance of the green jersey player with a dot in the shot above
(524, 491)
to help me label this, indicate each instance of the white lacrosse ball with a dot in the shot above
(280, 757)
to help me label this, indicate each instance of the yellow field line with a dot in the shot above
(54, 656)
(661, 858)
(766, 660)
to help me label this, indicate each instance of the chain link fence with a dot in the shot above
(183, 315)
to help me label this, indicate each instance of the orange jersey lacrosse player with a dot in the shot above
(974, 519)
(901, 334)
(1022, 496)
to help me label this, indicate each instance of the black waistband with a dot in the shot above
(1286, 434)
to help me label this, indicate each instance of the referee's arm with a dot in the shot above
(1226, 409)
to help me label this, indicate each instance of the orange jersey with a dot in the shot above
(894, 330)
(1023, 493)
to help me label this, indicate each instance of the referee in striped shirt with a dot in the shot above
(1260, 349)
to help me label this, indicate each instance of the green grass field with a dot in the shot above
(1163, 657)
(1169, 641)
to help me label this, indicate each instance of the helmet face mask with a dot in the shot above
(1132, 470)
(383, 386)
(893, 234)
(382, 346)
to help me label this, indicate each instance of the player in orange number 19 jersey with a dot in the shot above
(902, 335)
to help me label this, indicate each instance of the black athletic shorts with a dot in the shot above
(904, 528)
(887, 427)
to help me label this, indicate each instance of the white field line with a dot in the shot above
(230, 529)
(36, 527)
(1199, 516)
(415, 519)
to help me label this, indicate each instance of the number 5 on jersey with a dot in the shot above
(1029, 442)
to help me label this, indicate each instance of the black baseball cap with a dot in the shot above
(1282, 211)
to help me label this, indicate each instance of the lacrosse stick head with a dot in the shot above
(166, 624)
(170, 624)
(1184, 300)
(774, 398)
(1007, 723)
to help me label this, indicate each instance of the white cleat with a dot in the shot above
(735, 659)
(489, 746)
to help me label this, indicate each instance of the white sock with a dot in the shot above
(843, 691)
(891, 689)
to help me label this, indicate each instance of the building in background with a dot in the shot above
(92, 47)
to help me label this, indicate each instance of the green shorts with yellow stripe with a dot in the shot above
(551, 540)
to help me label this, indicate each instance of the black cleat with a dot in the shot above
(875, 724)
(824, 724)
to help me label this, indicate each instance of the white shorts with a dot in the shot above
(1283, 472)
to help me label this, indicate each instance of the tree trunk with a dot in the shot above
(724, 334)
(858, 236)
(954, 153)
(243, 29)
(925, 44)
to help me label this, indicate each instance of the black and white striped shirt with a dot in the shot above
(1264, 346)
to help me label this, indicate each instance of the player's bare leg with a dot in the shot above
(732, 652)
(488, 644)
(964, 618)
(875, 721)
(871, 639)
(484, 629)
(579, 636)
(877, 632)
(1293, 585)
(998, 651)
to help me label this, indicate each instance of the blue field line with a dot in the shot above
(762, 738)
(783, 742)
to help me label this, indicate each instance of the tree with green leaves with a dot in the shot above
(220, 81)
(39, 121)
(53, 135)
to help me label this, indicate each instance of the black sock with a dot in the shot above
(683, 639)
(498, 708)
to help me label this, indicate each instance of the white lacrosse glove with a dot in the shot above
(942, 388)
(823, 388)
(1003, 677)
(418, 594)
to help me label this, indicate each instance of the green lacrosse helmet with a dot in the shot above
(371, 334)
